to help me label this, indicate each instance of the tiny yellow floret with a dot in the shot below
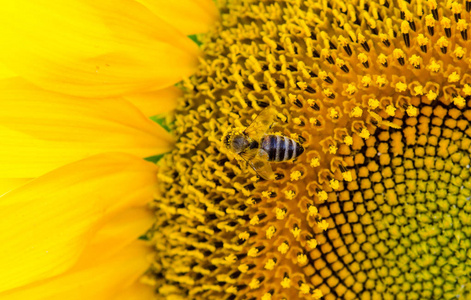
(364, 134)
(314, 162)
(454, 77)
(334, 184)
(270, 232)
(317, 294)
(302, 259)
(401, 86)
(253, 252)
(243, 268)
(391, 110)
(290, 194)
(348, 140)
(412, 111)
(304, 288)
(254, 221)
(296, 231)
(312, 243)
(373, 103)
(323, 224)
(283, 248)
(356, 112)
(333, 149)
(431, 95)
(322, 195)
(280, 214)
(254, 284)
(313, 211)
(270, 264)
(296, 175)
(347, 176)
(244, 235)
(266, 296)
(459, 101)
(286, 283)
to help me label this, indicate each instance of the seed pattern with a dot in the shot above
(377, 207)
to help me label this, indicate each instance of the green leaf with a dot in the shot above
(159, 119)
(154, 159)
(194, 38)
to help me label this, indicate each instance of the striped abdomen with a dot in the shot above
(281, 148)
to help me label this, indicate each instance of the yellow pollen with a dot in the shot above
(266, 194)
(412, 111)
(362, 58)
(297, 121)
(467, 90)
(255, 220)
(373, 103)
(313, 121)
(296, 175)
(244, 235)
(323, 225)
(232, 290)
(270, 264)
(314, 162)
(312, 243)
(391, 110)
(290, 194)
(254, 284)
(401, 86)
(443, 42)
(462, 25)
(398, 53)
(445, 22)
(459, 101)
(280, 214)
(347, 176)
(243, 268)
(296, 231)
(364, 133)
(283, 248)
(302, 259)
(286, 283)
(454, 77)
(459, 52)
(322, 195)
(230, 259)
(333, 113)
(304, 288)
(351, 89)
(313, 211)
(434, 67)
(415, 60)
(422, 40)
(381, 81)
(431, 95)
(366, 80)
(348, 140)
(270, 232)
(253, 252)
(317, 294)
(302, 85)
(357, 112)
(266, 296)
(333, 149)
(334, 184)
(327, 92)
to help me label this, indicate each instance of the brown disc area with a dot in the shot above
(377, 207)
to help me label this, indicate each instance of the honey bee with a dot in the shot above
(258, 148)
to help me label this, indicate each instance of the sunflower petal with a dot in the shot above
(42, 130)
(103, 280)
(93, 48)
(156, 102)
(46, 224)
(8, 184)
(188, 16)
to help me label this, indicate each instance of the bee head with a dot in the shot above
(235, 140)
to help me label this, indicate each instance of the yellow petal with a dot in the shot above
(42, 130)
(93, 48)
(46, 225)
(104, 280)
(156, 102)
(8, 184)
(137, 291)
(188, 16)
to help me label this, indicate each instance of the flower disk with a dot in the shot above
(378, 93)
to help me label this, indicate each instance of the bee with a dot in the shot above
(258, 148)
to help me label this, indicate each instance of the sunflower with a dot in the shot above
(377, 207)
(81, 81)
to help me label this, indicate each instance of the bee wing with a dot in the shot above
(261, 124)
(261, 165)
